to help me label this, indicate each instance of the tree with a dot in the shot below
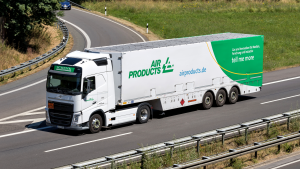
(21, 16)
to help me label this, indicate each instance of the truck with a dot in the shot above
(102, 87)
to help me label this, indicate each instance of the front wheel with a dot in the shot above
(207, 101)
(143, 114)
(233, 95)
(95, 123)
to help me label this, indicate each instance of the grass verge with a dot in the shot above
(38, 67)
(279, 22)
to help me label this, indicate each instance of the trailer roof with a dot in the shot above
(169, 42)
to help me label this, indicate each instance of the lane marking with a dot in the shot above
(88, 40)
(22, 114)
(286, 164)
(21, 121)
(26, 131)
(280, 99)
(2, 94)
(113, 22)
(35, 113)
(88, 142)
(278, 81)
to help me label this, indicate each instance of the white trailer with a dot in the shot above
(107, 86)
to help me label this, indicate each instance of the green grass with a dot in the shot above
(278, 22)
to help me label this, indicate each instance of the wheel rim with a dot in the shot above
(233, 96)
(96, 123)
(207, 100)
(144, 114)
(221, 97)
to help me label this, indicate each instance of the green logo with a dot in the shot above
(64, 68)
(90, 99)
(153, 70)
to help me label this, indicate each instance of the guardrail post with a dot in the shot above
(231, 150)
(288, 120)
(144, 158)
(171, 144)
(255, 144)
(198, 139)
(268, 125)
(246, 132)
(112, 162)
(205, 158)
(105, 10)
(222, 132)
(278, 148)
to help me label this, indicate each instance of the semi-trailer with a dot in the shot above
(112, 85)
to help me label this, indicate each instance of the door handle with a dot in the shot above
(94, 102)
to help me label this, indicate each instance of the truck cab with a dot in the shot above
(78, 85)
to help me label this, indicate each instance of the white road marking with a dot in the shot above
(34, 113)
(280, 99)
(281, 80)
(283, 165)
(88, 142)
(114, 22)
(26, 131)
(21, 114)
(88, 40)
(2, 94)
(21, 121)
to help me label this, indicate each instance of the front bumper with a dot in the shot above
(65, 7)
(68, 128)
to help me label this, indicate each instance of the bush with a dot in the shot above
(237, 164)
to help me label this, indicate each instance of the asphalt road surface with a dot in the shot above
(24, 147)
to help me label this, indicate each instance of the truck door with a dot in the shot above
(102, 89)
(90, 98)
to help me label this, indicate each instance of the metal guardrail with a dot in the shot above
(232, 153)
(43, 57)
(137, 155)
(73, 3)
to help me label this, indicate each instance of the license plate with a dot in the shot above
(60, 127)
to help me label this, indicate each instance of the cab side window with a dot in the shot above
(93, 83)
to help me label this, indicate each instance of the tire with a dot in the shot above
(95, 123)
(233, 95)
(142, 114)
(70, 8)
(220, 98)
(207, 101)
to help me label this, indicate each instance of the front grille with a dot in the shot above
(63, 106)
(61, 118)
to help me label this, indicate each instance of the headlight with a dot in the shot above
(76, 117)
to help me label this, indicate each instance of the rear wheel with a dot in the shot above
(95, 123)
(221, 98)
(207, 101)
(143, 114)
(233, 95)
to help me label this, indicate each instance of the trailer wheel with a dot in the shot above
(95, 123)
(233, 95)
(221, 98)
(143, 114)
(207, 101)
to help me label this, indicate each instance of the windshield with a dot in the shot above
(66, 84)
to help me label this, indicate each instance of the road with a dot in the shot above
(22, 147)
